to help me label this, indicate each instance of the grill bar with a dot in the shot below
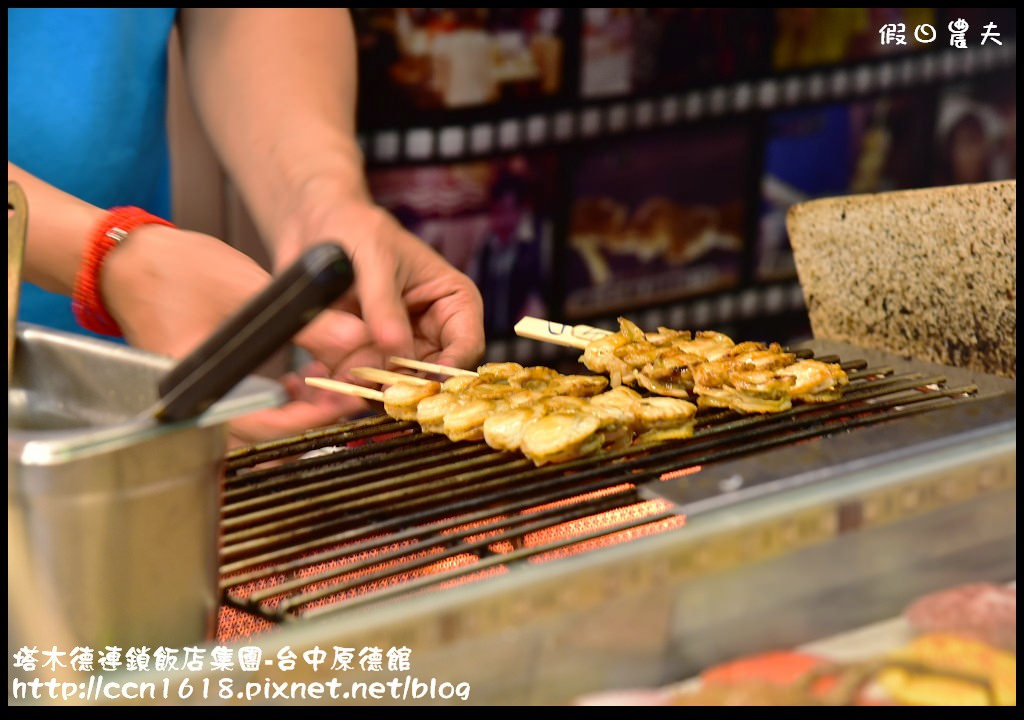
(414, 585)
(509, 529)
(467, 458)
(290, 446)
(380, 503)
(258, 482)
(361, 495)
(397, 535)
(492, 561)
(358, 483)
(687, 453)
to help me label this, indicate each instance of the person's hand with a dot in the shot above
(409, 301)
(170, 289)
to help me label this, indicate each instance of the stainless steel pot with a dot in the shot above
(114, 469)
(112, 515)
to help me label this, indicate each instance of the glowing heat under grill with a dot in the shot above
(381, 510)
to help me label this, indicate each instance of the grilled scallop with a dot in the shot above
(498, 372)
(524, 398)
(656, 412)
(617, 413)
(459, 383)
(564, 404)
(503, 430)
(533, 378)
(750, 391)
(631, 331)
(757, 356)
(402, 399)
(622, 397)
(560, 436)
(577, 385)
(707, 344)
(621, 355)
(489, 391)
(466, 422)
(636, 355)
(615, 424)
(667, 336)
(666, 378)
(599, 356)
(431, 411)
(665, 418)
(552, 417)
(815, 381)
(711, 375)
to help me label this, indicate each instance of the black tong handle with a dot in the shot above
(264, 324)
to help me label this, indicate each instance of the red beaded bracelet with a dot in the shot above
(86, 301)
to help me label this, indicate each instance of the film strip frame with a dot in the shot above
(584, 120)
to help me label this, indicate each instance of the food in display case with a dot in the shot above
(656, 218)
(954, 661)
(931, 668)
(981, 611)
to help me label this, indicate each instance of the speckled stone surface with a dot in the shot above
(929, 274)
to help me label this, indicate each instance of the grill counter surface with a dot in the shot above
(383, 510)
(635, 568)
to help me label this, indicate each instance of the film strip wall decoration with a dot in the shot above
(574, 180)
(587, 120)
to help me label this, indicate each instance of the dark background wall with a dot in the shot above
(586, 163)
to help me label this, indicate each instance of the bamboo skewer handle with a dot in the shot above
(577, 336)
(387, 377)
(429, 367)
(345, 388)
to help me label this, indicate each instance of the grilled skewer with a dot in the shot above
(748, 377)
(547, 416)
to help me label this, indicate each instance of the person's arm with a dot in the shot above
(276, 91)
(169, 289)
(58, 227)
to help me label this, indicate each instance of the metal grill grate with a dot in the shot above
(382, 510)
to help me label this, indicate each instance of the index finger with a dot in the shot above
(461, 334)
(383, 310)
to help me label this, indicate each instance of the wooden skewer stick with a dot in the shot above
(387, 377)
(577, 336)
(345, 388)
(429, 367)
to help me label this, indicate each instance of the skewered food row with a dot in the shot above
(551, 417)
(749, 377)
(547, 416)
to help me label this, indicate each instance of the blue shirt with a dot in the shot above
(86, 112)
